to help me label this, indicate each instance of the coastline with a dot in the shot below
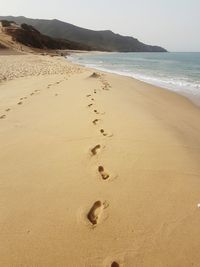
(52, 146)
(181, 87)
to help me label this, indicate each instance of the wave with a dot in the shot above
(182, 85)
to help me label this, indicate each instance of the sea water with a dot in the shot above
(179, 72)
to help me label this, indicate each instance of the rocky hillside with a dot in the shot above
(28, 36)
(2, 46)
(98, 40)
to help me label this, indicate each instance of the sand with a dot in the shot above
(98, 170)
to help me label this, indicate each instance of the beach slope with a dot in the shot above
(95, 169)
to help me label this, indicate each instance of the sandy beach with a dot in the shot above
(95, 170)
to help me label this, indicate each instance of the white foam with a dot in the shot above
(179, 85)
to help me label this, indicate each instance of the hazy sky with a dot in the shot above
(173, 24)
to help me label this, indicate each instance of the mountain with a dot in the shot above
(27, 35)
(98, 40)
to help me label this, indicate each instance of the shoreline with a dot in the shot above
(138, 80)
(90, 159)
(172, 88)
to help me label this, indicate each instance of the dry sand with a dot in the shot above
(95, 171)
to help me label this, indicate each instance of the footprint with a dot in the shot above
(95, 121)
(20, 103)
(95, 91)
(23, 98)
(32, 94)
(90, 105)
(95, 149)
(97, 112)
(56, 94)
(2, 116)
(104, 175)
(92, 99)
(119, 260)
(8, 109)
(114, 264)
(95, 212)
(105, 134)
(88, 95)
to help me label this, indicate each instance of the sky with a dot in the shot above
(172, 24)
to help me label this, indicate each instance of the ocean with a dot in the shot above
(179, 72)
